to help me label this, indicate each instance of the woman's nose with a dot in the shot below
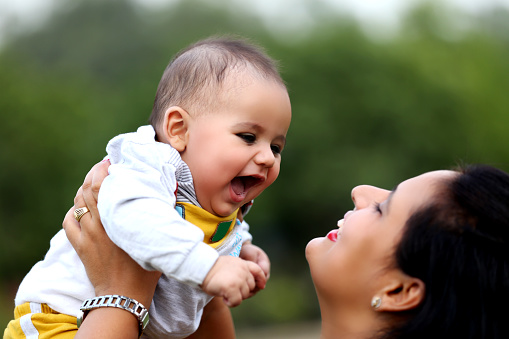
(364, 195)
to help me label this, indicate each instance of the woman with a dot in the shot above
(429, 258)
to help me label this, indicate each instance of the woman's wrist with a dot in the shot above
(107, 323)
(140, 287)
(138, 310)
(126, 278)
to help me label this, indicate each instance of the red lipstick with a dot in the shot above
(333, 235)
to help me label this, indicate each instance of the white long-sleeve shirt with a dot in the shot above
(137, 207)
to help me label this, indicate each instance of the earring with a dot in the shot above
(376, 302)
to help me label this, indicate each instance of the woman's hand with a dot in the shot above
(109, 268)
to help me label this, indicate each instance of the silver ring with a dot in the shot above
(80, 212)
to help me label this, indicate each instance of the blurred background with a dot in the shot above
(381, 91)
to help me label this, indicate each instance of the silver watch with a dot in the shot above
(118, 301)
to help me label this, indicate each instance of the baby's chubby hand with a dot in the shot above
(234, 279)
(257, 255)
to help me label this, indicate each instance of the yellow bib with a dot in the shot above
(215, 228)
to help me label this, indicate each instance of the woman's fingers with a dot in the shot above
(108, 267)
(92, 184)
(85, 197)
(86, 183)
(72, 228)
(100, 174)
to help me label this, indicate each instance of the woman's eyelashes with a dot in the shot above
(377, 207)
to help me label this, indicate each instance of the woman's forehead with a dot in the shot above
(422, 188)
(429, 179)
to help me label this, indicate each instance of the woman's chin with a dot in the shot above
(312, 246)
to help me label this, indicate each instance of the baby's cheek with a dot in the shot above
(272, 175)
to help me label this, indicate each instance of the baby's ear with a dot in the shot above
(175, 128)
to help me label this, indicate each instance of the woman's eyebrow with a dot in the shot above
(388, 203)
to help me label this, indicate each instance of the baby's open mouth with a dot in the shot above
(241, 185)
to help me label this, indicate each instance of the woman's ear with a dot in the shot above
(175, 128)
(401, 294)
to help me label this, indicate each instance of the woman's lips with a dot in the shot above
(333, 235)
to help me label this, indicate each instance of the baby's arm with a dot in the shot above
(216, 322)
(150, 230)
(137, 207)
(234, 279)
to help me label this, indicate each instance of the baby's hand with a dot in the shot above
(233, 279)
(255, 254)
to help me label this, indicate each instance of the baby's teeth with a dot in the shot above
(340, 222)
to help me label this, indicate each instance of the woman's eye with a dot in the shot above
(247, 137)
(377, 208)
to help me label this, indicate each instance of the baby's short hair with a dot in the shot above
(193, 78)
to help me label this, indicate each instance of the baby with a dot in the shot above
(177, 192)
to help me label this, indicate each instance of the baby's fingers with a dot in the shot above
(264, 262)
(233, 299)
(259, 276)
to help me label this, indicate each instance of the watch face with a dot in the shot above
(79, 320)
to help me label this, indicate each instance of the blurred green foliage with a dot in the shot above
(364, 111)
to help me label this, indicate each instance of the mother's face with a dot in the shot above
(347, 264)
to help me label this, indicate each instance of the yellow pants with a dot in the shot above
(39, 321)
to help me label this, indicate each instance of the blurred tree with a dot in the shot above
(364, 111)
(91, 72)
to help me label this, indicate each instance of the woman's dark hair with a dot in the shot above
(458, 247)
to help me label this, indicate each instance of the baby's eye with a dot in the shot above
(247, 137)
(276, 149)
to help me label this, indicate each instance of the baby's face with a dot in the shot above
(234, 153)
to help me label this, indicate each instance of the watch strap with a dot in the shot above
(118, 301)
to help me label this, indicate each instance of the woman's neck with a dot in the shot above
(346, 324)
